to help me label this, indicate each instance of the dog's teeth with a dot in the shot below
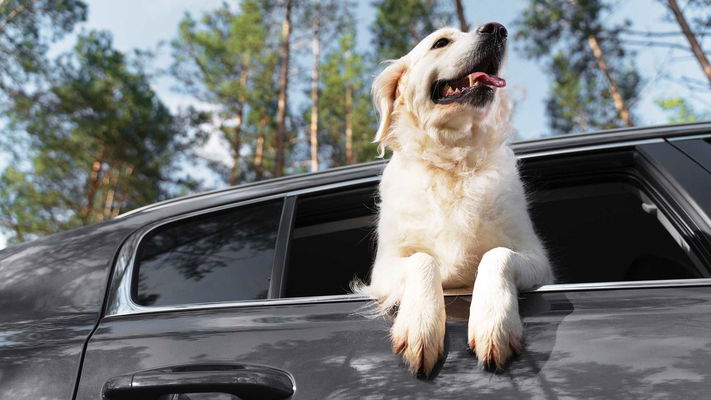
(448, 90)
(472, 82)
(456, 91)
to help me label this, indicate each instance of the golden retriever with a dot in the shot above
(453, 211)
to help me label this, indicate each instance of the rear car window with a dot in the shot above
(223, 256)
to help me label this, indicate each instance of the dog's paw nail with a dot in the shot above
(489, 365)
(399, 346)
(493, 357)
(421, 360)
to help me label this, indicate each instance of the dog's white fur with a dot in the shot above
(453, 211)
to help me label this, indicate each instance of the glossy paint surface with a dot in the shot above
(51, 292)
(50, 296)
(616, 344)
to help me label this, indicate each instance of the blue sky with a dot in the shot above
(145, 24)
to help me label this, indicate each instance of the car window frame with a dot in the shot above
(120, 301)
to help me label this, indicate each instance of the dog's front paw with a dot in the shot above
(418, 334)
(495, 329)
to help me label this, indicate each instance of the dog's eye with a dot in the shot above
(440, 43)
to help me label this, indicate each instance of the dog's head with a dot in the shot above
(446, 90)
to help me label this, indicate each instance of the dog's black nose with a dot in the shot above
(494, 28)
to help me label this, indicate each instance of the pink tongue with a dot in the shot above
(491, 80)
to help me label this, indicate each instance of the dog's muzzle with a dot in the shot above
(476, 86)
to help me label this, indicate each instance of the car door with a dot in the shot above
(629, 320)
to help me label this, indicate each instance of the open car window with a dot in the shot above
(598, 226)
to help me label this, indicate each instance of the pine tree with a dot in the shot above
(401, 24)
(283, 105)
(347, 112)
(216, 59)
(581, 55)
(27, 28)
(261, 118)
(99, 142)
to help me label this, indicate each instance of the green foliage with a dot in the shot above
(400, 24)
(578, 103)
(342, 72)
(99, 142)
(227, 59)
(557, 31)
(343, 91)
(27, 28)
(209, 55)
(679, 110)
(26, 211)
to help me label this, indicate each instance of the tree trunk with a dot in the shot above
(236, 140)
(349, 124)
(283, 85)
(460, 14)
(313, 131)
(235, 144)
(695, 46)
(258, 156)
(122, 192)
(622, 110)
(113, 184)
(92, 188)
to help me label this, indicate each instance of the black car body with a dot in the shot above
(153, 302)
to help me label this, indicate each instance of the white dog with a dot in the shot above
(453, 211)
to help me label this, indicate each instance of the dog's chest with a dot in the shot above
(463, 211)
(450, 217)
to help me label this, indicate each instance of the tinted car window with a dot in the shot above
(224, 256)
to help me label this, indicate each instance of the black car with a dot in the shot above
(244, 291)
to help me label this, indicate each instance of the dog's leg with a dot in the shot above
(415, 284)
(494, 323)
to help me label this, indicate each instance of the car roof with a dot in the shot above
(373, 168)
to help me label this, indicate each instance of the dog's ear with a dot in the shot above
(384, 95)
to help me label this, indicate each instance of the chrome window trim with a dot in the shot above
(666, 283)
(131, 308)
(580, 149)
(335, 185)
(700, 136)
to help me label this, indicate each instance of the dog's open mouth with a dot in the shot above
(475, 87)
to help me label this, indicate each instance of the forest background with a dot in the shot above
(106, 106)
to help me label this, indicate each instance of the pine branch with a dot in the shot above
(659, 44)
(651, 34)
(15, 13)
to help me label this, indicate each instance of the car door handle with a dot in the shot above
(244, 381)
